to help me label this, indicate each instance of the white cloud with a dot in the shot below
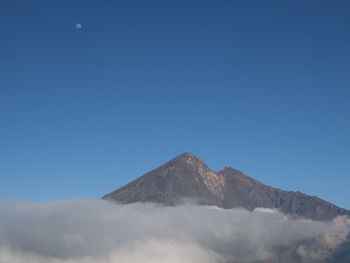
(98, 231)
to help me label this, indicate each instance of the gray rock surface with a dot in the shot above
(187, 178)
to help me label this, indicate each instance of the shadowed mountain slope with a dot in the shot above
(187, 178)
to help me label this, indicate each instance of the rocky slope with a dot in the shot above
(187, 178)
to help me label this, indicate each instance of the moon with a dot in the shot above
(78, 26)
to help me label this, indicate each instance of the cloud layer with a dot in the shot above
(99, 231)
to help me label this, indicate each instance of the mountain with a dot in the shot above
(188, 178)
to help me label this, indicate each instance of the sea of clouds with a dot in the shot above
(99, 231)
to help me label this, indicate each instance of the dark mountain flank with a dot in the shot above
(186, 177)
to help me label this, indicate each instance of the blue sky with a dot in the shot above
(262, 86)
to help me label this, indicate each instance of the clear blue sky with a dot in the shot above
(262, 86)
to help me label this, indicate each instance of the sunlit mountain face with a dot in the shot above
(186, 178)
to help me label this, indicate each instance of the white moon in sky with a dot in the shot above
(78, 26)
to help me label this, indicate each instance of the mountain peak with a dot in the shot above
(186, 157)
(183, 162)
(187, 177)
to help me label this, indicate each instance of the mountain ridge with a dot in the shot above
(187, 177)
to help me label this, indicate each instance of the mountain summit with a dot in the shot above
(187, 178)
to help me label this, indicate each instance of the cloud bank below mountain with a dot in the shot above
(99, 231)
